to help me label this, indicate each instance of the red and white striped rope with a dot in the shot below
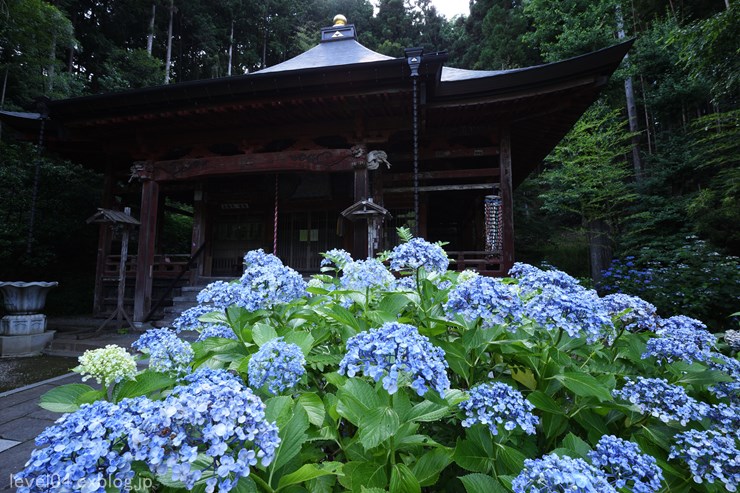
(275, 221)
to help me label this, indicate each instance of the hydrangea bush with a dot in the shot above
(397, 375)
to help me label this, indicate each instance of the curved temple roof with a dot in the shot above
(541, 102)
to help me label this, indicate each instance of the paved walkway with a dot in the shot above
(21, 418)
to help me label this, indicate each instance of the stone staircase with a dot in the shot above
(186, 299)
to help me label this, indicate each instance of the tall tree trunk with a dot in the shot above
(52, 65)
(150, 36)
(599, 247)
(631, 107)
(231, 48)
(5, 85)
(169, 44)
(264, 47)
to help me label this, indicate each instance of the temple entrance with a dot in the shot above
(303, 235)
(234, 235)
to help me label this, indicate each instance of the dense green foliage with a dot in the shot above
(435, 381)
(683, 69)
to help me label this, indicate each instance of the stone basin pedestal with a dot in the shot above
(23, 330)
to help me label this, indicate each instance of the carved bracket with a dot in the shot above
(142, 170)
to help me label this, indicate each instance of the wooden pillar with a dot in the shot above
(145, 255)
(361, 191)
(199, 232)
(104, 239)
(507, 202)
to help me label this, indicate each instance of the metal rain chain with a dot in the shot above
(413, 57)
(494, 219)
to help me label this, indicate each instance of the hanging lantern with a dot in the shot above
(494, 223)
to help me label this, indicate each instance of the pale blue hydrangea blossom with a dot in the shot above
(497, 403)
(557, 301)
(418, 253)
(681, 338)
(365, 274)
(732, 339)
(265, 283)
(553, 474)
(710, 455)
(625, 466)
(188, 320)
(84, 450)
(633, 312)
(215, 330)
(655, 396)
(397, 351)
(491, 300)
(578, 311)
(730, 366)
(532, 278)
(277, 365)
(167, 352)
(336, 257)
(725, 418)
(214, 415)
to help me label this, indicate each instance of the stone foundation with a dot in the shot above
(22, 325)
(24, 345)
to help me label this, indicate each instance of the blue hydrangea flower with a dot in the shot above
(487, 298)
(212, 415)
(681, 337)
(578, 311)
(655, 396)
(732, 339)
(670, 348)
(167, 352)
(553, 474)
(725, 418)
(265, 283)
(710, 455)
(83, 450)
(625, 465)
(363, 274)
(188, 320)
(633, 312)
(396, 351)
(336, 257)
(417, 253)
(532, 279)
(496, 403)
(220, 294)
(216, 330)
(278, 365)
(731, 367)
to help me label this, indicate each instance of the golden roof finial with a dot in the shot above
(340, 20)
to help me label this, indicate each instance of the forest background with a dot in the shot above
(643, 196)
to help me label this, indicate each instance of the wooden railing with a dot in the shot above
(487, 263)
(165, 266)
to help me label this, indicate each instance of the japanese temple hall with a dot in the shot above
(334, 148)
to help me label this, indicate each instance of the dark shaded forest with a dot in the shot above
(643, 196)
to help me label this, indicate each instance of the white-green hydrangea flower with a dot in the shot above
(467, 275)
(107, 365)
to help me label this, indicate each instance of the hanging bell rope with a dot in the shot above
(275, 220)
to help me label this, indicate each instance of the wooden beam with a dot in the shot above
(325, 160)
(145, 256)
(507, 201)
(441, 175)
(430, 155)
(361, 192)
(104, 239)
(444, 188)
